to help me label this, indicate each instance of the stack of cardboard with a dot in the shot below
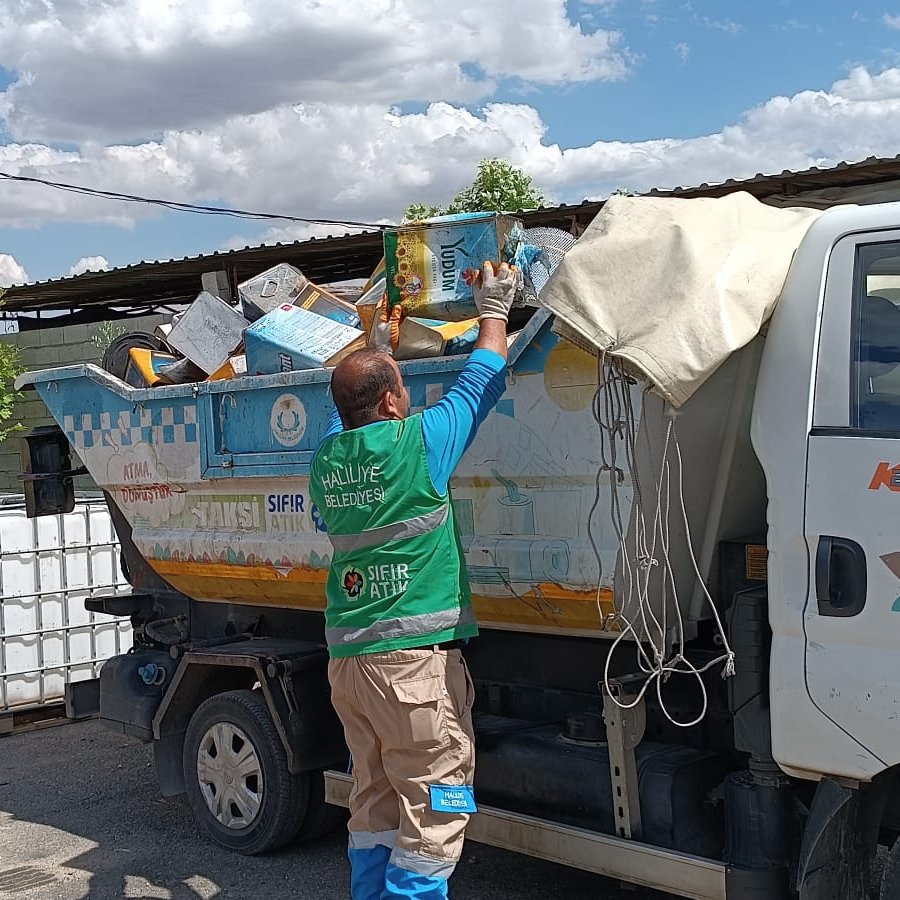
(418, 303)
(282, 322)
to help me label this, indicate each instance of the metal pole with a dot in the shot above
(624, 731)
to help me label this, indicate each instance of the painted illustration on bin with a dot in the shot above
(215, 487)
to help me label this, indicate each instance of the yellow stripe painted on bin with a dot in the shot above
(547, 607)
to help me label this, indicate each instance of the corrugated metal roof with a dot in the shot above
(333, 259)
(787, 183)
(323, 260)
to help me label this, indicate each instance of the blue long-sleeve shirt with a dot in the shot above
(449, 426)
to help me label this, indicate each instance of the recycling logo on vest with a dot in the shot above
(353, 582)
(377, 583)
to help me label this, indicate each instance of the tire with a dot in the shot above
(321, 818)
(115, 358)
(890, 879)
(250, 802)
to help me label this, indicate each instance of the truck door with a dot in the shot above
(852, 616)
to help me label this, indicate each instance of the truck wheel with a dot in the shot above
(890, 879)
(321, 818)
(236, 775)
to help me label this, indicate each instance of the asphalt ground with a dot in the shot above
(81, 817)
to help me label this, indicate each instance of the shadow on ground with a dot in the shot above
(80, 805)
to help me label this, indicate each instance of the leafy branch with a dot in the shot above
(498, 187)
(10, 367)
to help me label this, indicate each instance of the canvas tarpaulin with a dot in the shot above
(675, 286)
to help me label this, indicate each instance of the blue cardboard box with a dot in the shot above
(291, 338)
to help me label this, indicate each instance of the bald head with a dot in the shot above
(365, 385)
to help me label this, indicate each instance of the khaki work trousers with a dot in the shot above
(407, 717)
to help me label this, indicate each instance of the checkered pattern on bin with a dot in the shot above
(127, 428)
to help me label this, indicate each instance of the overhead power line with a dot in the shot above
(187, 207)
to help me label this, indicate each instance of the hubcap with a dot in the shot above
(230, 775)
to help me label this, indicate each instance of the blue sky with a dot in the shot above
(703, 64)
(386, 104)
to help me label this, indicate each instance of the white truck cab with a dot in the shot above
(826, 429)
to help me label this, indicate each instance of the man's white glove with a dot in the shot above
(495, 291)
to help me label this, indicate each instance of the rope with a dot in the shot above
(644, 554)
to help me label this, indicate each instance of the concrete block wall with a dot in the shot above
(42, 349)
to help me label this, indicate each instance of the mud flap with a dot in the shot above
(839, 842)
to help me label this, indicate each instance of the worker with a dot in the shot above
(399, 606)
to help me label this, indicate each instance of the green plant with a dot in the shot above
(416, 211)
(105, 334)
(10, 367)
(499, 186)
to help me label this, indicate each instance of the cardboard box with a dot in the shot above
(234, 368)
(369, 305)
(290, 338)
(376, 278)
(421, 338)
(318, 300)
(431, 266)
(207, 332)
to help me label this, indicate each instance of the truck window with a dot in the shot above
(875, 375)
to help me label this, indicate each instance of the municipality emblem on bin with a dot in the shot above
(288, 420)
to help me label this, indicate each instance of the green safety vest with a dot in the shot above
(398, 576)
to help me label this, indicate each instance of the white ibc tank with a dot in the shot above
(48, 567)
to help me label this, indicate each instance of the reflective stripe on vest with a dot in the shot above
(426, 623)
(347, 543)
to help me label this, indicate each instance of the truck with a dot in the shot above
(607, 739)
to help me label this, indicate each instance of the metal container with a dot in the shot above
(201, 474)
(208, 332)
(264, 292)
(423, 338)
(284, 284)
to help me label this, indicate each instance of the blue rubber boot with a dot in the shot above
(403, 883)
(367, 868)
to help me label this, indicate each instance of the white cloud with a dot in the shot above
(683, 50)
(89, 264)
(891, 21)
(10, 271)
(367, 162)
(364, 160)
(241, 57)
(793, 25)
(861, 86)
(728, 26)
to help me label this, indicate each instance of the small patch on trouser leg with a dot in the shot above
(452, 798)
